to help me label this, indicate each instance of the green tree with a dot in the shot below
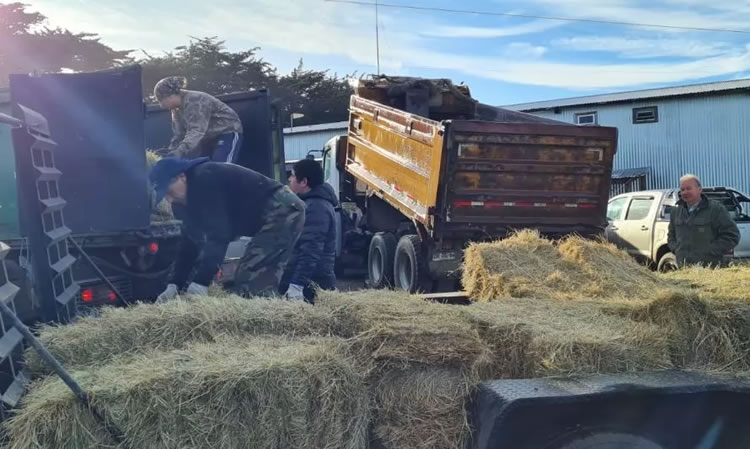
(319, 96)
(26, 46)
(209, 67)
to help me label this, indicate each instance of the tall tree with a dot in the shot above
(209, 67)
(316, 94)
(26, 45)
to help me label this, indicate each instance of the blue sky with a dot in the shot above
(505, 60)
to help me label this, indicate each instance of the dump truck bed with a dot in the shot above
(483, 177)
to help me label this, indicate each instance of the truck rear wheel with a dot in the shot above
(380, 260)
(611, 441)
(410, 271)
(668, 262)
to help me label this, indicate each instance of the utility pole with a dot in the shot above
(377, 37)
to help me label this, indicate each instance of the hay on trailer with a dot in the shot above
(422, 408)
(163, 210)
(259, 392)
(731, 283)
(397, 329)
(538, 338)
(529, 265)
(118, 331)
(703, 334)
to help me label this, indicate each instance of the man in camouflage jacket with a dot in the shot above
(201, 124)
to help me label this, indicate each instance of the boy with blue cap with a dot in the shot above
(222, 202)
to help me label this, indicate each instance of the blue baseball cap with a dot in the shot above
(166, 170)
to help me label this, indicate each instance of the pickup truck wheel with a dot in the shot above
(380, 260)
(668, 262)
(611, 441)
(409, 266)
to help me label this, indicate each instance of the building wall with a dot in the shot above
(297, 144)
(705, 135)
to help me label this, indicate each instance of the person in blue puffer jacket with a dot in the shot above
(314, 255)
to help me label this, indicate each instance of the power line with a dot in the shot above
(530, 16)
(377, 36)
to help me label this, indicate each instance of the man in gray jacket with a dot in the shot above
(701, 232)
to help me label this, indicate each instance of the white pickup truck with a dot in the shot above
(639, 223)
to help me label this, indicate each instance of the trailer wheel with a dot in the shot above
(668, 262)
(409, 267)
(611, 441)
(380, 260)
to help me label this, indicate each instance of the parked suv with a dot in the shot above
(639, 223)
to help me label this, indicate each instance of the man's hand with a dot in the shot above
(295, 292)
(168, 294)
(197, 289)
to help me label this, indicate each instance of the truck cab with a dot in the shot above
(638, 222)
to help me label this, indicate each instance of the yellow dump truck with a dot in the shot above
(426, 184)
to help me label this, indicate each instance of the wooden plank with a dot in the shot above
(445, 296)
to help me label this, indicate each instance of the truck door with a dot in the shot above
(637, 227)
(615, 211)
(742, 217)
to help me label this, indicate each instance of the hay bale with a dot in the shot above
(397, 329)
(731, 283)
(539, 338)
(259, 392)
(422, 408)
(172, 325)
(703, 335)
(529, 265)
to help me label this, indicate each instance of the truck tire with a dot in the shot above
(668, 262)
(380, 260)
(611, 441)
(409, 268)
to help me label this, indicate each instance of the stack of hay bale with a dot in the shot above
(375, 368)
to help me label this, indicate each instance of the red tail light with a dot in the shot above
(87, 295)
(112, 297)
(153, 248)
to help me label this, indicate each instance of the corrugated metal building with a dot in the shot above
(664, 133)
(298, 141)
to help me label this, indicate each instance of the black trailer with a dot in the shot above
(100, 127)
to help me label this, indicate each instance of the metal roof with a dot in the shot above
(314, 128)
(691, 89)
(626, 173)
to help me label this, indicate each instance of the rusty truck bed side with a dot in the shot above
(527, 175)
(397, 154)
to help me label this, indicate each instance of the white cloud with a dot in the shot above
(655, 13)
(524, 50)
(588, 76)
(313, 27)
(645, 48)
(532, 27)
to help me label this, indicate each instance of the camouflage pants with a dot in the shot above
(261, 267)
